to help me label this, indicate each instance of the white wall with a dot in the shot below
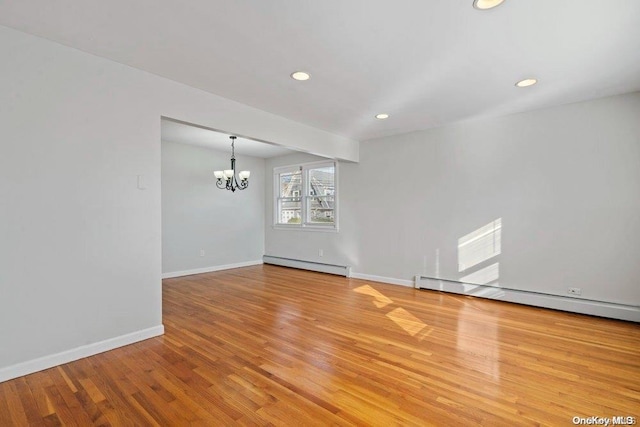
(564, 181)
(228, 226)
(80, 245)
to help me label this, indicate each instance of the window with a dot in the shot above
(306, 195)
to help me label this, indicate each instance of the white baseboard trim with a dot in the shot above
(340, 270)
(173, 274)
(46, 362)
(556, 302)
(381, 279)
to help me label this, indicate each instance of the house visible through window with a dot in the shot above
(306, 195)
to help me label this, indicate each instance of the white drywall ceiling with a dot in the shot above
(427, 63)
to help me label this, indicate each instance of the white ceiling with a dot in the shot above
(425, 62)
(183, 133)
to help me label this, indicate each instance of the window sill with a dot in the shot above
(320, 228)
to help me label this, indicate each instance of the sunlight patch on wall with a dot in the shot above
(484, 276)
(480, 245)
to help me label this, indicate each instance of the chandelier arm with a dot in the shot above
(242, 184)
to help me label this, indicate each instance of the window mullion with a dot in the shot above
(305, 201)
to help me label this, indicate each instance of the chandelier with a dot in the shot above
(226, 179)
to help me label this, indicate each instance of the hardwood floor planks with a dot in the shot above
(269, 345)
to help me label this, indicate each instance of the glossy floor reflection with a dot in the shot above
(269, 345)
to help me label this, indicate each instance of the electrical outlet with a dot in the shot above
(201, 252)
(320, 252)
(574, 291)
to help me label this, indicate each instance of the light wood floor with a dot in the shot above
(269, 345)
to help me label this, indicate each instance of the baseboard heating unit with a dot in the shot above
(340, 270)
(556, 302)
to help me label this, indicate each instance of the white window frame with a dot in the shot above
(304, 225)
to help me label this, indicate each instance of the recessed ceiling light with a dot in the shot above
(300, 75)
(382, 116)
(526, 82)
(486, 4)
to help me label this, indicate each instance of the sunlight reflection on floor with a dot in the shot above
(407, 321)
(401, 317)
(380, 300)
